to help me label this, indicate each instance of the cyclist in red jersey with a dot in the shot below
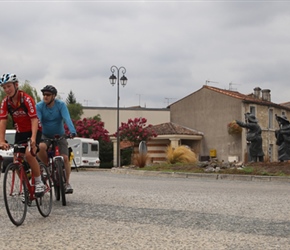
(22, 108)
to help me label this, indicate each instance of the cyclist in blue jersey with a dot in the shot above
(52, 114)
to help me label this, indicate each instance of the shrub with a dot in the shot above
(181, 154)
(140, 160)
(234, 128)
(136, 130)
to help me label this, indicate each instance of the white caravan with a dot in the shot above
(86, 152)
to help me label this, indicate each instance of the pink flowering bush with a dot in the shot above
(90, 128)
(136, 130)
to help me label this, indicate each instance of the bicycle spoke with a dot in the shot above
(44, 203)
(14, 192)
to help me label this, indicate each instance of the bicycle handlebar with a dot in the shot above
(57, 138)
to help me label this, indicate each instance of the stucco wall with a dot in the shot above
(210, 112)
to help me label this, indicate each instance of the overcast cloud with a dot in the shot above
(169, 48)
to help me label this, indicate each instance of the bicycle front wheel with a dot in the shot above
(44, 203)
(14, 195)
(59, 164)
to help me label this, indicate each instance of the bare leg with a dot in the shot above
(42, 154)
(67, 168)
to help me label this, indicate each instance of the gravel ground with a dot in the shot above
(119, 211)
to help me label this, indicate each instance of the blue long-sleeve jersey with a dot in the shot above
(53, 118)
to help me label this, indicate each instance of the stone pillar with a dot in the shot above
(174, 142)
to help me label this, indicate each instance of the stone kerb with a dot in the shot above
(202, 175)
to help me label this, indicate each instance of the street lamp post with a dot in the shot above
(113, 80)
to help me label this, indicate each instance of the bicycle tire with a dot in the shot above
(54, 175)
(15, 206)
(44, 203)
(54, 181)
(59, 164)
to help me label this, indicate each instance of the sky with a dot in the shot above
(169, 49)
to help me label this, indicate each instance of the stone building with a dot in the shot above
(211, 109)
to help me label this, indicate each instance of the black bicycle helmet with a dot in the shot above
(49, 88)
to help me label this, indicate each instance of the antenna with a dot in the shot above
(87, 102)
(208, 81)
(139, 98)
(168, 99)
(59, 94)
(231, 86)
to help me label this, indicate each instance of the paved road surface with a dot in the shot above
(116, 211)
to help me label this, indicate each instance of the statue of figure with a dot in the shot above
(283, 138)
(253, 136)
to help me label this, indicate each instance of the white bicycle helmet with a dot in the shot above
(6, 78)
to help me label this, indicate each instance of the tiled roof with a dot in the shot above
(171, 128)
(236, 94)
(246, 98)
(286, 104)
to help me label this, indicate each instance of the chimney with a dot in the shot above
(257, 92)
(266, 96)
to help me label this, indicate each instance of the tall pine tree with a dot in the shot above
(71, 98)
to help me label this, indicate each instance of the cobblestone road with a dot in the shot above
(116, 211)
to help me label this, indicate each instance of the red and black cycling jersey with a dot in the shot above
(21, 116)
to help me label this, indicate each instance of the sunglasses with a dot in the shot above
(47, 94)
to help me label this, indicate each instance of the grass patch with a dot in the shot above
(265, 169)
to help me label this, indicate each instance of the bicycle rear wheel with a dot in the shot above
(56, 181)
(59, 164)
(44, 203)
(14, 195)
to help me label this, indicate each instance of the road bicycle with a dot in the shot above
(56, 167)
(19, 187)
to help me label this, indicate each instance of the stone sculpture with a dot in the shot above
(253, 136)
(283, 138)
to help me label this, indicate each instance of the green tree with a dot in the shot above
(71, 98)
(97, 118)
(26, 87)
(106, 154)
(75, 110)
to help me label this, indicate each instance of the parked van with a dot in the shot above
(7, 155)
(86, 152)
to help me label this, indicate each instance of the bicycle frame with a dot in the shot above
(23, 176)
(18, 186)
